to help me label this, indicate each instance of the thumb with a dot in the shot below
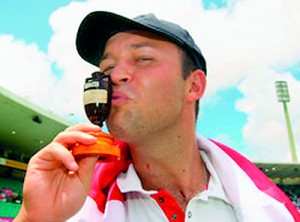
(85, 170)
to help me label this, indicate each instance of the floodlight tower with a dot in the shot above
(284, 97)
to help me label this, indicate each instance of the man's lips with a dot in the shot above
(118, 98)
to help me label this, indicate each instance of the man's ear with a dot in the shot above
(196, 84)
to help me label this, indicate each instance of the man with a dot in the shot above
(168, 174)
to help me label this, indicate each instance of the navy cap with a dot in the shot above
(97, 27)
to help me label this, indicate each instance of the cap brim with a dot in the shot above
(94, 31)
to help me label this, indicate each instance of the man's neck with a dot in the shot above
(171, 163)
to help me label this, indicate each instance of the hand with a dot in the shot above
(56, 185)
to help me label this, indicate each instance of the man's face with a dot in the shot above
(148, 86)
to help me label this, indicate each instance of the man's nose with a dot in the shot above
(121, 75)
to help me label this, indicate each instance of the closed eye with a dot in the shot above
(144, 59)
(107, 70)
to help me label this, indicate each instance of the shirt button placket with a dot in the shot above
(174, 216)
(189, 214)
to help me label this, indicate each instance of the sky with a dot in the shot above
(248, 45)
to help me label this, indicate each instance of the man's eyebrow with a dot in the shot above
(131, 46)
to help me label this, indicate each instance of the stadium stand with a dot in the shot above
(287, 178)
(293, 192)
(18, 144)
(10, 197)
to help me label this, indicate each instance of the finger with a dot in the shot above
(84, 127)
(52, 156)
(69, 139)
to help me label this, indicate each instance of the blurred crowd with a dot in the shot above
(11, 196)
(293, 192)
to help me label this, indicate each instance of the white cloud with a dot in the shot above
(265, 131)
(26, 71)
(252, 36)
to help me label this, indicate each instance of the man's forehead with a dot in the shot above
(141, 33)
(147, 39)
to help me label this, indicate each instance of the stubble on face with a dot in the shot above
(157, 90)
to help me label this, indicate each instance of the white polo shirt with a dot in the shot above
(210, 205)
(251, 202)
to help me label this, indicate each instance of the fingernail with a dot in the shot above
(73, 167)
